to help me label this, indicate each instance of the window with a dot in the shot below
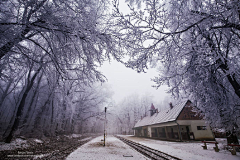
(201, 128)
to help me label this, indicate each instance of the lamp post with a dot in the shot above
(104, 127)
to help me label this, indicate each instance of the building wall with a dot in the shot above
(188, 114)
(198, 130)
(149, 131)
(162, 133)
(195, 126)
(144, 131)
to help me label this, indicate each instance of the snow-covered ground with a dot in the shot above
(17, 143)
(114, 150)
(74, 136)
(189, 150)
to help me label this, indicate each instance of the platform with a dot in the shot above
(191, 150)
(114, 149)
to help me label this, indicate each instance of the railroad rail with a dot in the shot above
(147, 151)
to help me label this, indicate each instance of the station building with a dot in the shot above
(177, 123)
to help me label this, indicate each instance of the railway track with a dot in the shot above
(147, 151)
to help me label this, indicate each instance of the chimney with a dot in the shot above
(171, 106)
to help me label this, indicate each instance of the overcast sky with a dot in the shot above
(126, 82)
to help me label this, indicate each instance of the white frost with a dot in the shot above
(189, 150)
(114, 149)
(18, 143)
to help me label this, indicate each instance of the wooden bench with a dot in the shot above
(233, 150)
(215, 148)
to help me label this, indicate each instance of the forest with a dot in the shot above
(51, 51)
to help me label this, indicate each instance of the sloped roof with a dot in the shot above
(167, 115)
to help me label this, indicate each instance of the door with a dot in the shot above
(145, 132)
(172, 134)
(188, 132)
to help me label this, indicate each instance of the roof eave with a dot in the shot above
(155, 124)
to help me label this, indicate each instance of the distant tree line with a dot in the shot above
(128, 112)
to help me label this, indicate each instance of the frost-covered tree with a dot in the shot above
(195, 45)
(44, 46)
(130, 110)
(71, 32)
(83, 105)
(48, 105)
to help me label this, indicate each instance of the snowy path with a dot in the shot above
(187, 150)
(114, 149)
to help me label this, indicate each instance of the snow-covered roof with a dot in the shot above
(167, 115)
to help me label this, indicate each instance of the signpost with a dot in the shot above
(104, 127)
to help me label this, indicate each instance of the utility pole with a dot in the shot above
(104, 127)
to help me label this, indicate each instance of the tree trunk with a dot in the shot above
(20, 107)
(51, 126)
(232, 138)
(40, 113)
(30, 108)
(234, 84)
(5, 93)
